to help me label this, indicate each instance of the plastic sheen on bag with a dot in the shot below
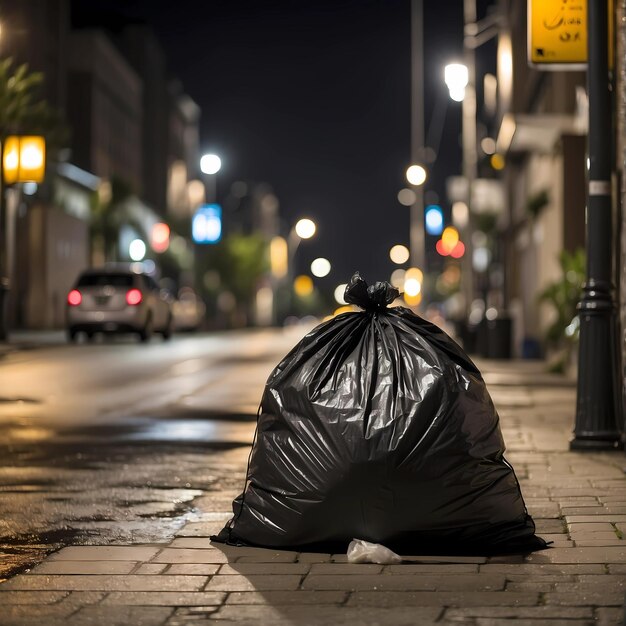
(377, 425)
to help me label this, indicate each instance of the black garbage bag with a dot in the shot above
(378, 426)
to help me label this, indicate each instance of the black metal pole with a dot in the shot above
(597, 402)
(4, 253)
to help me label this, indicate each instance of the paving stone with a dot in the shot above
(488, 621)
(521, 612)
(192, 542)
(24, 615)
(435, 568)
(579, 555)
(563, 543)
(609, 616)
(609, 583)
(245, 569)
(30, 597)
(339, 558)
(531, 585)
(120, 616)
(591, 543)
(549, 526)
(554, 536)
(590, 527)
(346, 568)
(605, 579)
(584, 510)
(199, 529)
(189, 555)
(312, 557)
(254, 583)
(278, 598)
(442, 598)
(106, 583)
(192, 569)
(605, 598)
(105, 553)
(83, 598)
(278, 557)
(577, 519)
(359, 582)
(152, 568)
(545, 578)
(614, 568)
(543, 569)
(165, 598)
(428, 560)
(84, 567)
(324, 615)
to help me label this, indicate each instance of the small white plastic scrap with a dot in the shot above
(361, 551)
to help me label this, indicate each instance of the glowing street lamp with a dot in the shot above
(399, 254)
(210, 164)
(24, 159)
(416, 175)
(137, 250)
(305, 228)
(456, 77)
(320, 267)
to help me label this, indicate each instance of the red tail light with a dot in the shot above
(74, 297)
(133, 297)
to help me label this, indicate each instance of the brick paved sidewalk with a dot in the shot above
(578, 501)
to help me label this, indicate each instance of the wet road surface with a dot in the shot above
(120, 441)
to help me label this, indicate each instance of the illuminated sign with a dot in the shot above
(557, 34)
(206, 225)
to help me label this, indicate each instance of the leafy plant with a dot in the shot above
(240, 260)
(23, 110)
(563, 296)
(536, 203)
(108, 217)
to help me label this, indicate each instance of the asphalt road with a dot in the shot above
(119, 441)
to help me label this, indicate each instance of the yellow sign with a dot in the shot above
(24, 159)
(557, 33)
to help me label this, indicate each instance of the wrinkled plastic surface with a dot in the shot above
(377, 425)
(361, 551)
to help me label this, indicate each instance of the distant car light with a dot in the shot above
(133, 297)
(74, 297)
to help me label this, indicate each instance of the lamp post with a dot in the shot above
(417, 238)
(304, 228)
(459, 79)
(22, 160)
(598, 389)
(211, 164)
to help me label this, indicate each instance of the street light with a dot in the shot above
(456, 77)
(320, 267)
(22, 160)
(459, 79)
(305, 228)
(210, 164)
(416, 175)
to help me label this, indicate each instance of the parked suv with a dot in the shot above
(118, 301)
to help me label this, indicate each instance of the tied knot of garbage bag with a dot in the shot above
(376, 297)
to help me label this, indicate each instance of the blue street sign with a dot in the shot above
(206, 225)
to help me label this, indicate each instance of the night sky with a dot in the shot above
(312, 97)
